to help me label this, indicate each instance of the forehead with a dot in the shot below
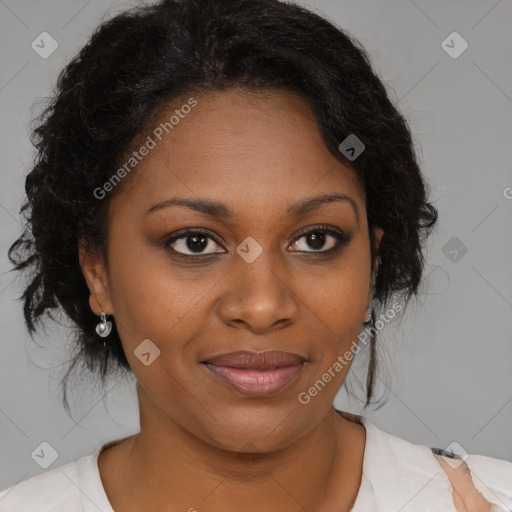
(242, 147)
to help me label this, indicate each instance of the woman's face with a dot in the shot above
(253, 282)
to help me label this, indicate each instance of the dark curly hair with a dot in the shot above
(137, 62)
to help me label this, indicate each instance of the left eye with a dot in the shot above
(318, 238)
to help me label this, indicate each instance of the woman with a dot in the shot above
(223, 196)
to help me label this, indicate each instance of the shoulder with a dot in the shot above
(497, 472)
(408, 474)
(52, 490)
(72, 487)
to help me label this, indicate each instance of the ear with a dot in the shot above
(377, 234)
(95, 273)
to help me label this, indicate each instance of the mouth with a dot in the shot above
(256, 373)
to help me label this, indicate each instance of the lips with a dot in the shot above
(256, 374)
(256, 360)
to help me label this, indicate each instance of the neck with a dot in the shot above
(190, 473)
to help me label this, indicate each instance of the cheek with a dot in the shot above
(152, 305)
(337, 307)
(339, 296)
(339, 302)
(152, 299)
(160, 311)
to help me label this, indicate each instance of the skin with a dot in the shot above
(466, 497)
(258, 153)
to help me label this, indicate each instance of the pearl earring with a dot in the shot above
(369, 317)
(104, 328)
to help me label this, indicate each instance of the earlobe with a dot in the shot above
(368, 318)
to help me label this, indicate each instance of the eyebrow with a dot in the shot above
(220, 210)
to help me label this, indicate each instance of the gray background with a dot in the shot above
(449, 360)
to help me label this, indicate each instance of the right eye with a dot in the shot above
(193, 243)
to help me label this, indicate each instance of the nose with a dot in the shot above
(258, 296)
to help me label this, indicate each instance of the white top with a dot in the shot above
(397, 475)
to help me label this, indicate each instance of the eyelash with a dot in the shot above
(342, 239)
